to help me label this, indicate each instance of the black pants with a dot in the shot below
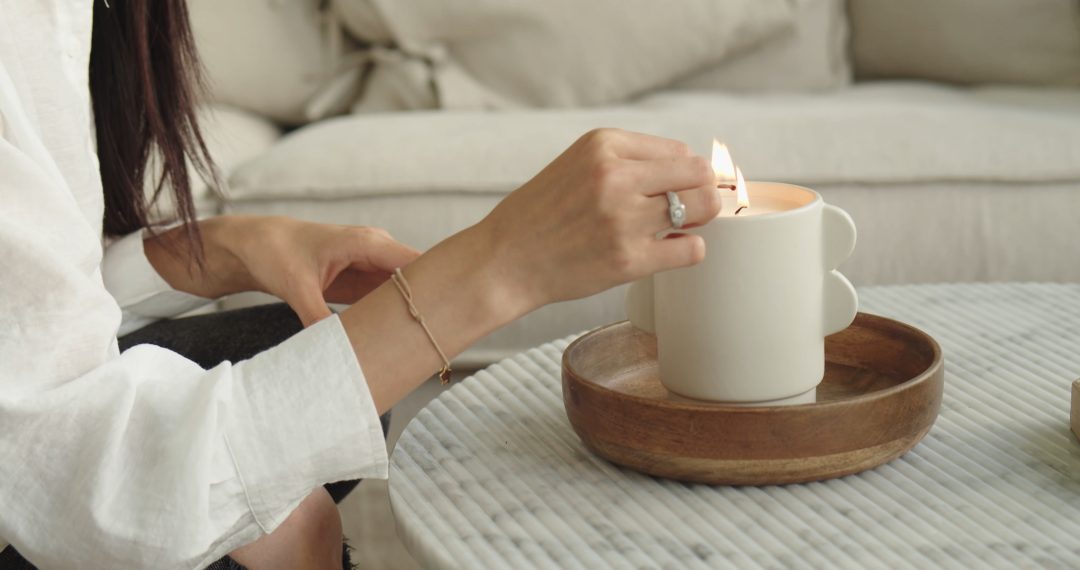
(210, 340)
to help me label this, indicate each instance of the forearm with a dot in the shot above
(463, 292)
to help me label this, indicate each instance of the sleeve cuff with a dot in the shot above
(304, 417)
(135, 284)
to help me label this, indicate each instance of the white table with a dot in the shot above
(490, 474)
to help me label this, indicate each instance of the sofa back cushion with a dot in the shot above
(1033, 42)
(810, 56)
(269, 57)
(562, 53)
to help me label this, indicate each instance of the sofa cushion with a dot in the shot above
(874, 133)
(270, 57)
(1034, 42)
(562, 53)
(810, 56)
(1048, 100)
(944, 184)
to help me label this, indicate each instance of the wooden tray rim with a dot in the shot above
(704, 406)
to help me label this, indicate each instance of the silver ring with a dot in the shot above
(676, 210)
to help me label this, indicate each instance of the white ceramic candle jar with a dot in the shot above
(748, 324)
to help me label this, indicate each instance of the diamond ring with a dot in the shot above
(676, 211)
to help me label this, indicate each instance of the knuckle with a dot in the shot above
(598, 139)
(711, 202)
(600, 134)
(683, 149)
(591, 138)
(702, 170)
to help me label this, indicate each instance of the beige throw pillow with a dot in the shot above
(270, 57)
(810, 56)
(559, 53)
(1034, 42)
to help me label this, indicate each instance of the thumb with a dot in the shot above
(308, 304)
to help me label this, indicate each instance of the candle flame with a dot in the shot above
(722, 164)
(741, 194)
(727, 174)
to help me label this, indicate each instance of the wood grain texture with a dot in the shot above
(880, 395)
(1074, 416)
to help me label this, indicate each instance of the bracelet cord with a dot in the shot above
(406, 292)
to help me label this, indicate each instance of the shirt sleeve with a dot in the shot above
(150, 461)
(144, 459)
(140, 291)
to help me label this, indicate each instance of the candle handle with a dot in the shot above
(841, 303)
(838, 231)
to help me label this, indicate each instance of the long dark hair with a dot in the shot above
(145, 81)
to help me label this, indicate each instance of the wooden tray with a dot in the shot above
(880, 395)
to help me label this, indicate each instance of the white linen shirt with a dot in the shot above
(141, 459)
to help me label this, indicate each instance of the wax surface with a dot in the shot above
(758, 205)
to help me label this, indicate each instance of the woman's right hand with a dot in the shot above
(586, 223)
(589, 220)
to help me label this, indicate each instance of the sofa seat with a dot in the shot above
(944, 184)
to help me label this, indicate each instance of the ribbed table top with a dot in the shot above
(491, 475)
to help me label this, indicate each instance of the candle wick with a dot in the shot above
(741, 208)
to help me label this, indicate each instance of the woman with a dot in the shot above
(146, 459)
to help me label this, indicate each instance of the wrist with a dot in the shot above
(507, 267)
(461, 288)
(222, 272)
(466, 271)
(498, 272)
(224, 241)
(458, 287)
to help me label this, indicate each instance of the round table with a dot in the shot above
(491, 475)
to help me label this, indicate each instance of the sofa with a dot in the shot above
(948, 129)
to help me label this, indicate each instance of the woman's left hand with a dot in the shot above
(303, 263)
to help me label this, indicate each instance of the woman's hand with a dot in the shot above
(589, 220)
(305, 264)
(585, 223)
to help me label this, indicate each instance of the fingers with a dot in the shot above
(353, 284)
(387, 254)
(372, 249)
(365, 259)
(636, 146)
(690, 177)
(671, 174)
(702, 205)
(677, 250)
